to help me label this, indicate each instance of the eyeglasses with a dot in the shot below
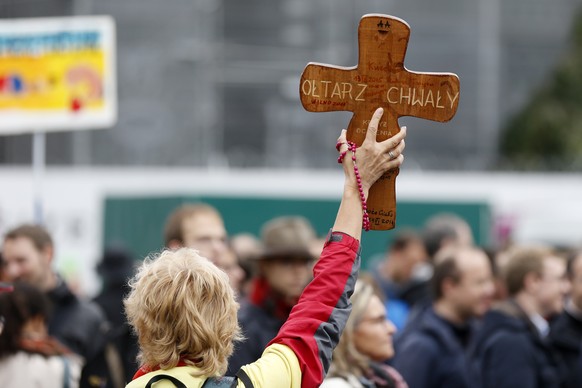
(374, 321)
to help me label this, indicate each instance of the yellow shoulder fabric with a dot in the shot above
(182, 373)
(277, 367)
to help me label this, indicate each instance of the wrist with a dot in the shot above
(351, 189)
(355, 187)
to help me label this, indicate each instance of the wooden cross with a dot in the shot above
(380, 80)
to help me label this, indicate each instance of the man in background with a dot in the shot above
(440, 231)
(512, 348)
(28, 253)
(283, 271)
(200, 226)
(566, 329)
(396, 274)
(431, 352)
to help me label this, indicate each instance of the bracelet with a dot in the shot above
(352, 147)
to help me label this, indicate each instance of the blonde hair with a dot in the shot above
(181, 306)
(347, 360)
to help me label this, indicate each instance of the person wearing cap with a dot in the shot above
(283, 271)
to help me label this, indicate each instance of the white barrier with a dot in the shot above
(540, 207)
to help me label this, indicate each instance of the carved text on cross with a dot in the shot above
(380, 80)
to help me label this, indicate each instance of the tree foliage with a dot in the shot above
(547, 133)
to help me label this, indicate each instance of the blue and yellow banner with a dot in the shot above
(57, 74)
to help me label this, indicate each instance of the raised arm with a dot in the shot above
(300, 355)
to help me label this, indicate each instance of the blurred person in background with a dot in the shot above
(115, 268)
(365, 344)
(283, 270)
(79, 324)
(246, 246)
(4, 287)
(511, 348)
(200, 226)
(439, 231)
(499, 259)
(29, 357)
(566, 329)
(443, 230)
(396, 274)
(317, 246)
(236, 273)
(185, 312)
(431, 352)
(2, 265)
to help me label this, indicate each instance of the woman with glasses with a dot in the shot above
(358, 359)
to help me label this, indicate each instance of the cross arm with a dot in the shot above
(431, 96)
(326, 88)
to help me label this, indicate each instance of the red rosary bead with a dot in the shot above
(352, 147)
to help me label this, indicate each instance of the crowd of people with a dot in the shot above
(291, 309)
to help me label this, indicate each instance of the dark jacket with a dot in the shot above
(260, 318)
(110, 300)
(566, 338)
(509, 352)
(81, 326)
(430, 354)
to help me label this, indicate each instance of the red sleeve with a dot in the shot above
(315, 324)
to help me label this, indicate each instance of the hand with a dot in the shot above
(373, 158)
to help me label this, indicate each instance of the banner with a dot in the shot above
(57, 74)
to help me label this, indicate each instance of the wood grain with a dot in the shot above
(380, 80)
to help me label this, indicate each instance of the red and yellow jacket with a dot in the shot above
(300, 355)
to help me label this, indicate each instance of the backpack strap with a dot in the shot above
(220, 382)
(229, 382)
(242, 376)
(157, 378)
(211, 382)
